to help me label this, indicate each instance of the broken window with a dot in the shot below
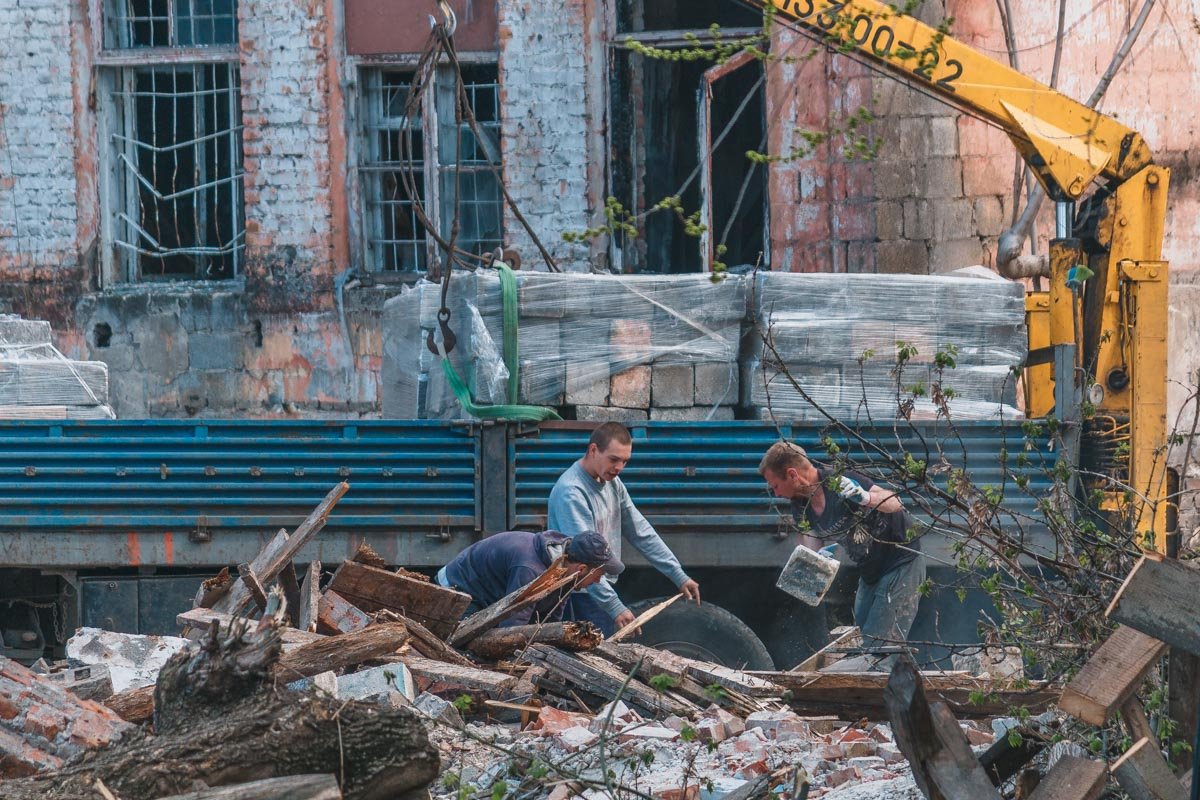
(658, 139)
(173, 140)
(427, 159)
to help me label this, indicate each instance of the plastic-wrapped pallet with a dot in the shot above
(37, 381)
(613, 347)
(838, 337)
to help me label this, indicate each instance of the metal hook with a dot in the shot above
(448, 14)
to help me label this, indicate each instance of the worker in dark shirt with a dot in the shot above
(869, 525)
(497, 566)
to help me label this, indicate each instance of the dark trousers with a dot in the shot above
(582, 607)
(884, 611)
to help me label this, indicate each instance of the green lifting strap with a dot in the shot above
(517, 413)
(512, 360)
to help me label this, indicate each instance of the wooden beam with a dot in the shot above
(1183, 700)
(291, 592)
(337, 615)
(861, 694)
(643, 618)
(282, 550)
(257, 593)
(294, 787)
(846, 636)
(1111, 675)
(495, 684)
(1156, 599)
(1136, 723)
(373, 589)
(744, 682)
(201, 619)
(1072, 778)
(1003, 760)
(943, 766)
(133, 705)
(1145, 775)
(649, 662)
(310, 598)
(336, 652)
(554, 579)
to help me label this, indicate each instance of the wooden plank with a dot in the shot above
(374, 589)
(213, 589)
(337, 615)
(293, 787)
(336, 652)
(310, 598)
(743, 682)
(424, 642)
(846, 636)
(1157, 599)
(597, 676)
(1144, 775)
(649, 663)
(271, 559)
(1136, 723)
(291, 592)
(1111, 675)
(554, 579)
(1072, 778)
(201, 619)
(257, 593)
(643, 618)
(495, 684)
(1003, 760)
(1183, 699)
(852, 695)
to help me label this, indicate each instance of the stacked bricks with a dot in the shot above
(43, 725)
(596, 347)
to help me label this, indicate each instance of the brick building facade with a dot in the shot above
(205, 195)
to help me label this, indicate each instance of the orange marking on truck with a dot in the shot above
(134, 545)
(168, 549)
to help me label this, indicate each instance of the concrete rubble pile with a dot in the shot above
(688, 347)
(39, 382)
(546, 709)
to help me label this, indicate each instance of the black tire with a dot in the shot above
(708, 633)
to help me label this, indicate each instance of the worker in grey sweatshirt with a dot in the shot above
(590, 497)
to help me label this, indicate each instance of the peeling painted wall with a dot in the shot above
(274, 340)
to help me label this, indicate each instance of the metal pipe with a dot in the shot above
(1064, 217)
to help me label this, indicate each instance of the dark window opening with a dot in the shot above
(676, 15)
(656, 150)
(170, 23)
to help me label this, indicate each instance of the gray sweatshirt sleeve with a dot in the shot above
(570, 514)
(641, 534)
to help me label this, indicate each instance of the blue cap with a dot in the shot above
(592, 549)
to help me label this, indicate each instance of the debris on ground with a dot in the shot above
(553, 710)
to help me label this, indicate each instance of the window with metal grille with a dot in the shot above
(169, 23)
(171, 121)
(426, 159)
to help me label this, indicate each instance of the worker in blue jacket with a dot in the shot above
(590, 496)
(499, 565)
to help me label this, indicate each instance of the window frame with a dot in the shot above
(363, 69)
(115, 68)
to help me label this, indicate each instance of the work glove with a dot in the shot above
(829, 550)
(852, 491)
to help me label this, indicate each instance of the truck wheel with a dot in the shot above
(708, 633)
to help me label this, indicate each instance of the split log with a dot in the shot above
(1136, 723)
(503, 642)
(643, 618)
(1144, 774)
(281, 551)
(425, 642)
(365, 554)
(594, 675)
(1072, 778)
(943, 765)
(310, 598)
(291, 591)
(219, 721)
(1111, 675)
(372, 589)
(213, 589)
(861, 694)
(337, 652)
(295, 787)
(1156, 599)
(336, 614)
(556, 578)
(433, 675)
(257, 592)
(133, 705)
